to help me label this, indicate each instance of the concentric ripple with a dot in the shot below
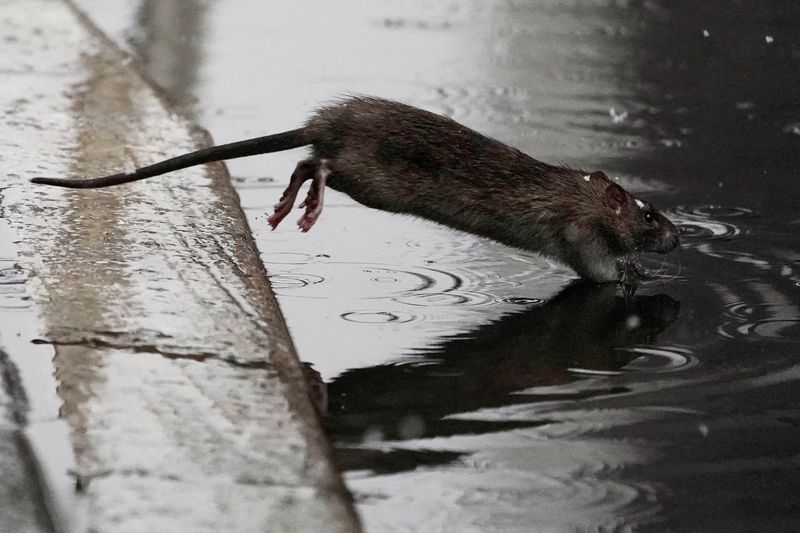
(521, 300)
(708, 221)
(293, 281)
(647, 360)
(12, 287)
(446, 299)
(379, 317)
(657, 360)
(769, 320)
(417, 286)
(12, 275)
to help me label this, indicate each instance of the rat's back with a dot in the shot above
(400, 158)
(388, 133)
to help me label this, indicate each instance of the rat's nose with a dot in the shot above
(670, 240)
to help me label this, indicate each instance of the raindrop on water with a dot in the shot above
(411, 427)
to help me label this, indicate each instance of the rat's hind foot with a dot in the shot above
(313, 201)
(305, 170)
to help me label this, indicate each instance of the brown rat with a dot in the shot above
(402, 159)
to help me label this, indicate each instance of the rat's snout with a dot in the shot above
(669, 238)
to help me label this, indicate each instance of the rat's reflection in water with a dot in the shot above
(583, 326)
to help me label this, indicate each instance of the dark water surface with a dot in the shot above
(475, 387)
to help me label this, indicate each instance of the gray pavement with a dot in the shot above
(150, 382)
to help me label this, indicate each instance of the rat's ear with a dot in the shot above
(615, 197)
(600, 175)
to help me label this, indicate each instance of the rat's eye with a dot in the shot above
(649, 218)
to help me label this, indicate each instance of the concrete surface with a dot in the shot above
(150, 381)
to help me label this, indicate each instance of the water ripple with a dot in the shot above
(647, 360)
(446, 299)
(379, 317)
(13, 275)
(520, 300)
(293, 281)
(707, 222)
(659, 359)
(769, 320)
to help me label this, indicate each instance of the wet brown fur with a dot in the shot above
(402, 159)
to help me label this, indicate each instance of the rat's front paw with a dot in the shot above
(631, 270)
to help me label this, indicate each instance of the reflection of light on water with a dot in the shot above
(447, 299)
(660, 359)
(708, 221)
(560, 473)
(594, 372)
(737, 257)
(769, 318)
(647, 360)
(793, 128)
(521, 300)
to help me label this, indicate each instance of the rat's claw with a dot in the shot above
(308, 219)
(305, 170)
(313, 202)
(282, 209)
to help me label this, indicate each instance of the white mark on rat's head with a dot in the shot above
(639, 203)
(769, 39)
(706, 33)
(587, 177)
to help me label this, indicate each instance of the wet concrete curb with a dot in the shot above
(150, 380)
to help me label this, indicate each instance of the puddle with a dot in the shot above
(45, 436)
(469, 385)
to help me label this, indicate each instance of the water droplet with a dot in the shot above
(372, 435)
(378, 317)
(633, 321)
(793, 128)
(294, 281)
(411, 427)
(617, 116)
(520, 300)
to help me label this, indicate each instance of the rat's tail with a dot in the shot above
(260, 145)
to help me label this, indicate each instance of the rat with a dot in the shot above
(402, 159)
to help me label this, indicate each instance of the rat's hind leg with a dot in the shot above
(305, 170)
(313, 201)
